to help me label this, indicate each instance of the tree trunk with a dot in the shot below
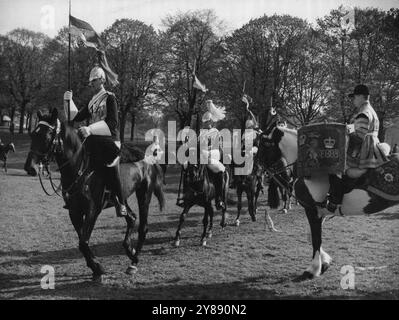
(122, 125)
(132, 127)
(12, 119)
(30, 122)
(22, 117)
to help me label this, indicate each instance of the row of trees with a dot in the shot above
(304, 71)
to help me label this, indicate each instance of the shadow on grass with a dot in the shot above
(79, 287)
(64, 256)
(388, 216)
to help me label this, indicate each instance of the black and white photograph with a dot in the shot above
(199, 154)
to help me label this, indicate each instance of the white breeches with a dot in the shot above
(212, 158)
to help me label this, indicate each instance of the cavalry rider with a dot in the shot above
(102, 134)
(250, 134)
(365, 150)
(251, 129)
(210, 153)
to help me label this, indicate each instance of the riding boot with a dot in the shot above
(114, 183)
(66, 199)
(219, 191)
(335, 193)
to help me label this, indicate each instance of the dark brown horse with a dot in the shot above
(200, 190)
(4, 150)
(87, 191)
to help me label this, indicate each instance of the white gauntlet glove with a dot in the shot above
(85, 131)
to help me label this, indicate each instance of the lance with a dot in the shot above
(69, 62)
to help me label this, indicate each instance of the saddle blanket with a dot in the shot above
(322, 148)
(384, 180)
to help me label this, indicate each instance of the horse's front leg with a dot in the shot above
(128, 241)
(210, 225)
(251, 203)
(84, 225)
(5, 166)
(257, 193)
(181, 221)
(143, 199)
(315, 269)
(239, 203)
(205, 224)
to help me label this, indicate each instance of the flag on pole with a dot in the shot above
(198, 85)
(85, 32)
(348, 18)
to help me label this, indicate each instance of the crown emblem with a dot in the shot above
(302, 140)
(329, 143)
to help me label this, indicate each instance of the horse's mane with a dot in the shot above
(288, 130)
(71, 138)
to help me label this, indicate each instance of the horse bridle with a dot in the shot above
(46, 157)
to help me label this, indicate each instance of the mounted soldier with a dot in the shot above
(210, 152)
(101, 136)
(364, 150)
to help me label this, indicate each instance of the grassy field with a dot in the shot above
(246, 262)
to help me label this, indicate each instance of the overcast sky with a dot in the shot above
(36, 14)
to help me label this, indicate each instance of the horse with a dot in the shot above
(279, 174)
(252, 185)
(4, 150)
(199, 190)
(87, 191)
(312, 191)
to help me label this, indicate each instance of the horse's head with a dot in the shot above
(268, 147)
(42, 140)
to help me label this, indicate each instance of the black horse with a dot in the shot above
(87, 192)
(4, 150)
(200, 190)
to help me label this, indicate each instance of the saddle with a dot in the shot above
(93, 163)
(195, 180)
(384, 180)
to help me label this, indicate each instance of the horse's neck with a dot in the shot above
(288, 146)
(70, 159)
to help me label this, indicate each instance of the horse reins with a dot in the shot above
(47, 158)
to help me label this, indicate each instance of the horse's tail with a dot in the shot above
(158, 182)
(272, 195)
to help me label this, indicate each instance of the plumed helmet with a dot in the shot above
(214, 113)
(96, 73)
(249, 124)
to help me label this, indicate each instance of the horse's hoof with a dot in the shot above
(177, 243)
(274, 230)
(253, 219)
(98, 278)
(324, 267)
(307, 275)
(209, 235)
(203, 243)
(131, 270)
(283, 211)
(237, 223)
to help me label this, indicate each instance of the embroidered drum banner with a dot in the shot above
(322, 148)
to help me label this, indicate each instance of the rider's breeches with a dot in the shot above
(113, 182)
(212, 158)
(102, 150)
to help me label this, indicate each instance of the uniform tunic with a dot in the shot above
(366, 128)
(102, 107)
(210, 153)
